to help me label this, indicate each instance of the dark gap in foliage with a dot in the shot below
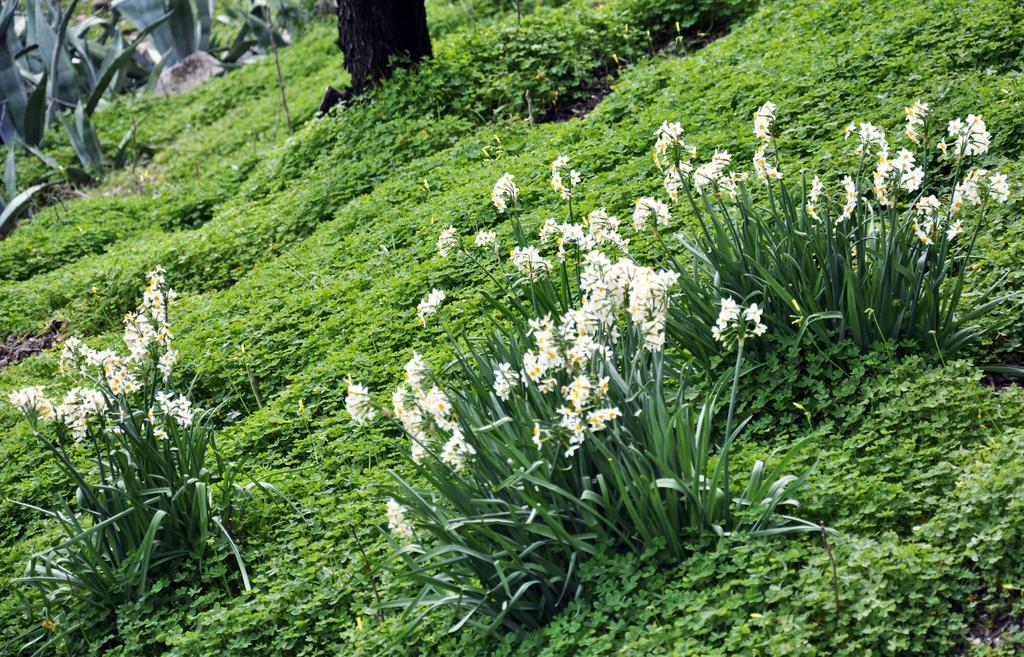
(994, 629)
(997, 375)
(591, 92)
(19, 346)
(195, 206)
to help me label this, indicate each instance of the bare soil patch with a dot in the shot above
(19, 346)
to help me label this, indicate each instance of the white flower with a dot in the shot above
(33, 401)
(91, 400)
(429, 305)
(557, 183)
(763, 119)
(578, 392)
(436, 403)
(415, 369)
(167, 361)
(999, 188)
(817, 187)
(139, 334)
(978, 138)
(915, 117)
(878, 180)
(72, 355)
(648, 300)
(120, 380)
(711, 172)
(408, 415)
(969, 188)
(971, 137)
(179, 408)
(457, 451)
(850, 187)
(728, 327)
(486, 239)
(566, 234)
(673, 181)
(912, 179)
(358, 403)
(603, 228)
(670, 139)
(505, 379)
(536, 365)
(529, 261)
(398, 522)
(647, 207)
(418, 447)
(729, 311)
(923, 231)
(572, 422)
(927, 206)
(870, 136)
(538, 436)
(764, 170)
(504, 191)
(668, 134)
(954, 229)
(599, 418)
(447, 241)
(904, 160)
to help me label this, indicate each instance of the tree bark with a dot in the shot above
(373, 34)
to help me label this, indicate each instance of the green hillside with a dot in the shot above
(300, 260)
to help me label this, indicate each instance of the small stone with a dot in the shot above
(190, 72)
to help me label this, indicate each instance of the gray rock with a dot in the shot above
(192, 71)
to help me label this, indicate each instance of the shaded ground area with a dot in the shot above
(999, 631)
(598, 87)
(1007, 372)
(19, 346)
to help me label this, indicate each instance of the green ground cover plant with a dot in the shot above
(406, 133)
(894, 435)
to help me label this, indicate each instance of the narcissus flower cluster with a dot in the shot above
(504, 192)
(561, 357)
(895, 176)
(735, 323)
(107, 383)
(558, 183)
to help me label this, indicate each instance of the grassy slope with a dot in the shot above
(895, 439)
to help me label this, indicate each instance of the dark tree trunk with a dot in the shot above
(373, 33)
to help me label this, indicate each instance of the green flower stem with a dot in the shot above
(728, 427)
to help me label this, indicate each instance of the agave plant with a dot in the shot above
(256, 30)
(178, 27)
(13, 202)
(48, 71)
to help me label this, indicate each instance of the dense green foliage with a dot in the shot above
(306, 265)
